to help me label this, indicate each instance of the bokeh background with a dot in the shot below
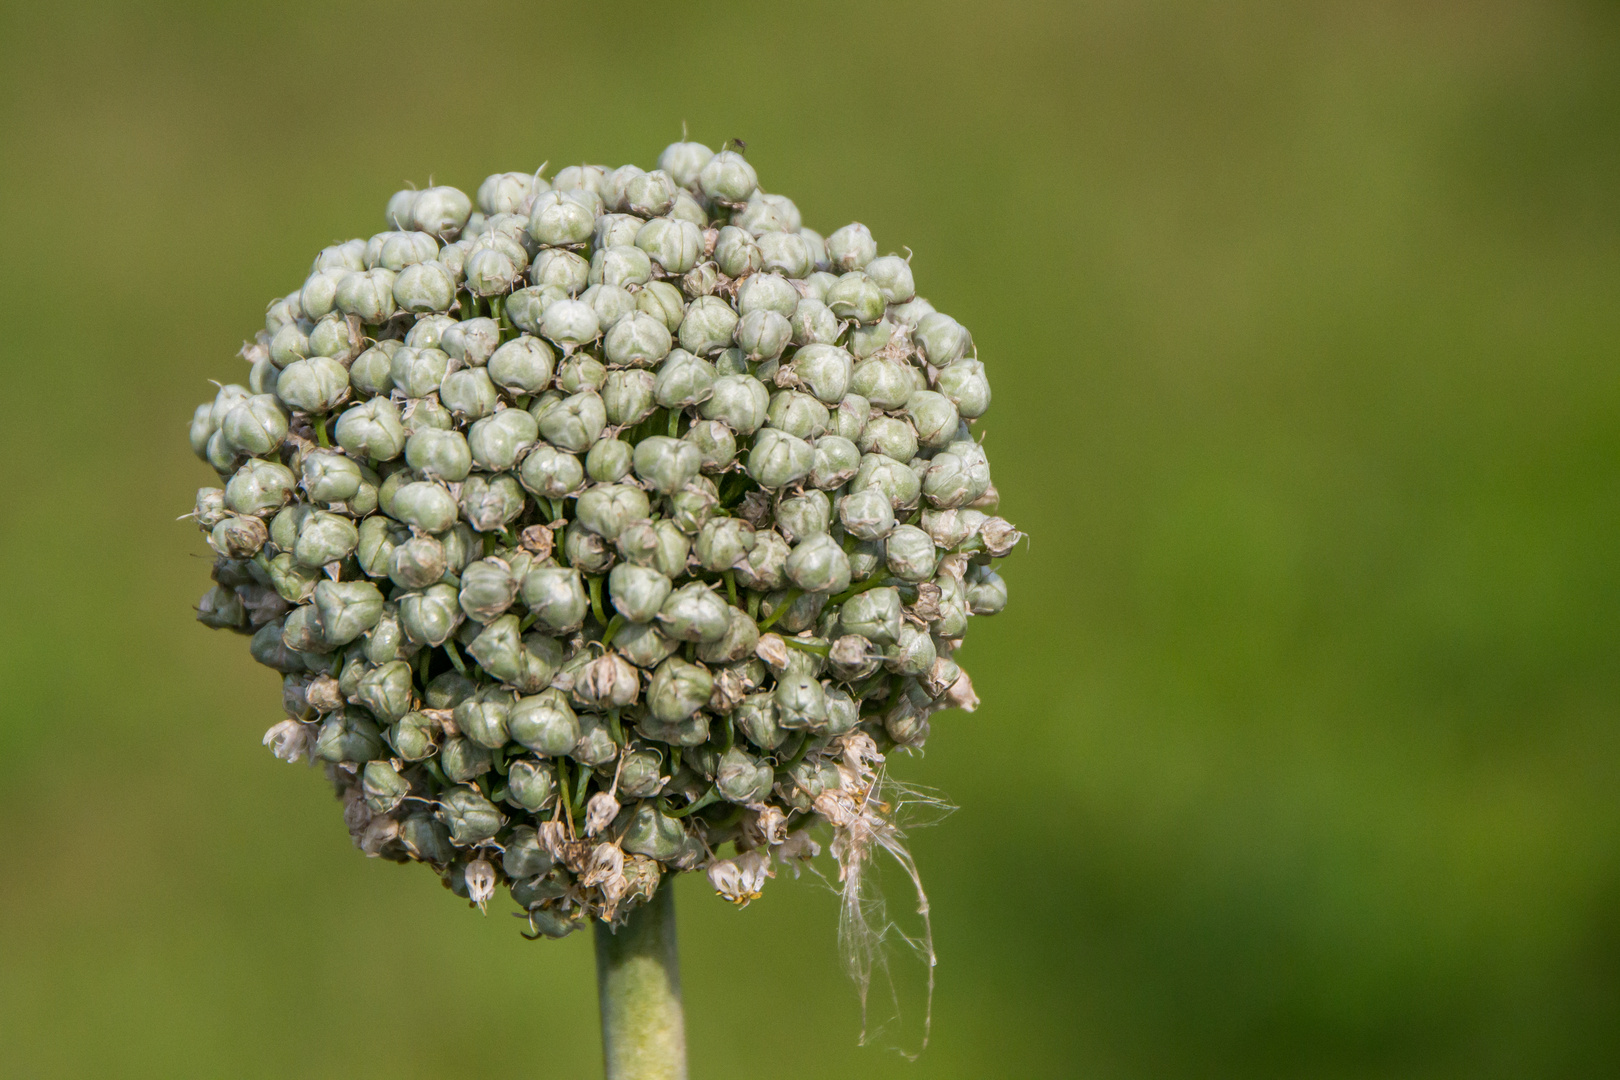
(1299, 753)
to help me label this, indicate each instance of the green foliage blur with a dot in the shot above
(1299, 753)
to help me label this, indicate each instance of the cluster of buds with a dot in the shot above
(596, 527)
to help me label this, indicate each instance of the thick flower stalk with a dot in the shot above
(617, 527)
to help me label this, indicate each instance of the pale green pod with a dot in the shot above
(708, 326)
(818, 564)
(637, 339)
(348, 735)
(715, 444)
(608, 508)
(416, 562)
(727, 178)
(911, 554)
(505, 193)
(488, 588)
(736, 254)
(469, 816)
(942, 339)
(741, 638)
(684, 162)
(530, 785)
(496, 441)
(788, 254)
(873, 615)
(544, 723)
(762, 335)
(256, 426)
(851, 248)
(609, 461)
(259, 487)
(675, 245)
(644, 644)
(560, 269)
(386, 691)
(963, 382)
(663, 302)
(438, 455)
(870, 339)
(893, 478)
(324, 538)
(574, 423)
(330, 477)
(855, 296)
(934, 418)
(581, 372)
(677, 690)
(665, 464)
(558, 220)
(801, 702)
(627, 396)
(892, 276)
(347, 609)
(867, 514)
(637, 592)
(763, 568)
(368, 295)
(427, 505)
(555, 596)
(777, 459)
(813, 323)
(585, 550)
(889, 436)
(315, 386)
(426, 286)
(723, 543)
(417, 372)
(798, 414)
(767, 292)
(683, 380)
(694, 613)
(740, 401)
(742, 778)
(523, 365)
(837, 461)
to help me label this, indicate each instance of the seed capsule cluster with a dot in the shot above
(609, 521)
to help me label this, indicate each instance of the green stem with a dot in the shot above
(638, 981)
(320, 432)
(787, 601)
(594, 582)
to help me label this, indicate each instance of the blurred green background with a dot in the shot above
(1298, 755)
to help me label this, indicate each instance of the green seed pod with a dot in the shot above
(644, 644)
(544, 723)
(767, 292)
(934, 417)
(762, 335)
(694, 613)
(756, 720)
(469, 394)
(348, 735)
(268, 649)
(368, 295)
(702, 280)
(660, 545)
(574, 423)
(816, 244)
(527, 663)
(799, 415)
(301, 632)
(678, 689)
(387, 692)
(653, 834)
(417, 562)
(523, 365)
(487, 589)
(986, 591)
(708, 326)
(662, 301)
(428, 332)
(315, 386)
(202, 429)
(221, 609)
(607, 509)
(622, 264)
(684, 162)
(489, 271)
(258, 487)
(564, 270)
(638, 340)
(804, 516)
(430, 286)
(429, 617)
(529, 784)
(290, 343)
(911, 553)
(608, 461)
(826, 371)
(856, 297)
(581, 372)
(414, 737)
(495, 442)
(436, 455)
(627, 396)
(638, 591)
(742, 778)
(559, 220)
(329, 477)
(221, 455)
(890, 437)
(892, 276)
(912, 653)
(873, 615)
(571, 323)
(372, 430)
(764, 567)
(683, 380)
(472, 341)
(505, 193)
(650, 194)
(813, 323)
(469, 816)
(870, 339)
(851, 248)
(285, 525)
(740, 401)
(425, 504)
(742, 635)
(728, 179)
(613, 230)
(525, 856)
(386, 641)
(586, 550)
(837, 461)
(768, 213)
(778, 459)
(293, 583)
(963, 382)
(693, 505)
(867, 514)
(491, 503)
(324, 538)
(886, 384)
(441, 211)
(894, 479)
(724, 543)
(319, 295)
(607, 682)
(483, 717)
(550, 473)
(666, 464)
(714, 442)
(347, 609)
(256, 425)
(819, 564)
(426, 838)
(525, 308)
(788, 255)
(957, 475)
(210, 509)
(801, 702)
(463, 760)
(448, 690)
(736, 254)
(596, 745)
(641, 774)
(942, 339)
(417, 372)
